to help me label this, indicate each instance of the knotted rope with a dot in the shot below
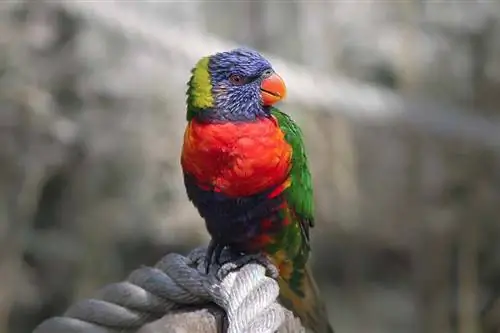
(247, 295)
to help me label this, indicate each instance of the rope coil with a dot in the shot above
(247, 295)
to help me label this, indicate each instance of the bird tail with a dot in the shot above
(309, 306)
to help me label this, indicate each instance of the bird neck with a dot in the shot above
(232, 112)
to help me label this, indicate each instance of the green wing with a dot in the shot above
(300, 193)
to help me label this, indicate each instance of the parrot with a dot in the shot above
(246, 171)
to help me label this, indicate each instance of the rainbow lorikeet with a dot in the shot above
(246, 171)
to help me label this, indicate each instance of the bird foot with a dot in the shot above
(243, 259)
(214, 252)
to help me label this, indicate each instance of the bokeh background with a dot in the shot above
(398, 100)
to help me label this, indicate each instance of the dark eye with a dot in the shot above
(267, 73)
(236, 79)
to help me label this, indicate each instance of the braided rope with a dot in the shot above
(247, 295)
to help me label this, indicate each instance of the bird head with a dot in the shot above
(237, 85)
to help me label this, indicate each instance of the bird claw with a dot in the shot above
(242, 260)
(236, 261)
(214, 252)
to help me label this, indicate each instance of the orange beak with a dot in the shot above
(272, 89)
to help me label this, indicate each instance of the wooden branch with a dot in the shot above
(205, 320)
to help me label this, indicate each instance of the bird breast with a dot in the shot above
(237, 159)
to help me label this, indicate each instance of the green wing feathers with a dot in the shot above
(298, 291)
(300, 193)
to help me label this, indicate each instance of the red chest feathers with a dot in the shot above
(237, 159)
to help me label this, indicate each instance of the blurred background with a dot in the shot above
(398, 100)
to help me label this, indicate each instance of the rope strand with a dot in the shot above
(247, 295)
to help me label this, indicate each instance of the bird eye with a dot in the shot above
(267, 73)
(236, 79)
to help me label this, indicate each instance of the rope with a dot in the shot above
(247, 295)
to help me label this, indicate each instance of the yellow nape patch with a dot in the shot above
(201, 92)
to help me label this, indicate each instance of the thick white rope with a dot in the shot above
(247, 295)
(244, 294)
